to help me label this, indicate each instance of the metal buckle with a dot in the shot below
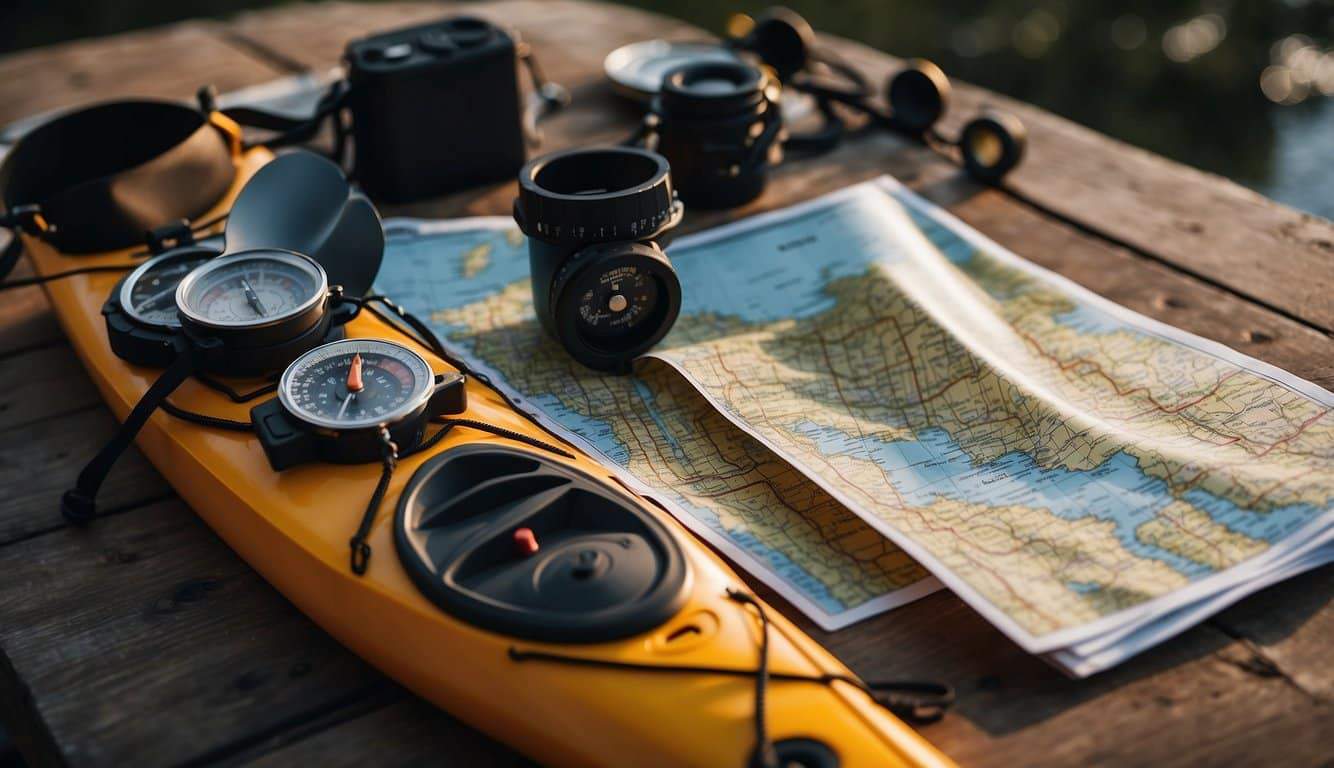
(170, 236)
(29, 218)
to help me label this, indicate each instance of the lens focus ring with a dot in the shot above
(596, 195)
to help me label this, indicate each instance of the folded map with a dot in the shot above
(861, 391)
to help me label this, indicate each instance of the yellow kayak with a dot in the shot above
(683, 692)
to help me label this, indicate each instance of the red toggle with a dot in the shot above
(525, 541)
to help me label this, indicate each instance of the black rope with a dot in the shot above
(10, 256)
(427, 338)
(913, 700)
(482, 426)
(205, 420)
(231, 393)
(361, 551)
(765, 756)
(24, 282)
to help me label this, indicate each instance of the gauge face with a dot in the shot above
(614, 301)
(149, 293)
(355, 383)
(251, 288)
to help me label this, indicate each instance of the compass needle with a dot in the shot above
(354, 383)
(252, 298)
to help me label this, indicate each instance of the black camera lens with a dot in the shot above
(601, 286)
(720, 126)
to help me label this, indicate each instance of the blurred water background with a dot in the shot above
(1243, 88)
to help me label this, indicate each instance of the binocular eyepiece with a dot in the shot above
(602, 286)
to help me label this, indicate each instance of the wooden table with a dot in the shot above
(145, 641)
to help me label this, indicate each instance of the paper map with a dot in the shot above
(863, 371)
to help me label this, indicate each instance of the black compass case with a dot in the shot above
(299, 202)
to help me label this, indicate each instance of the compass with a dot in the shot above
(355, 384)
(335, 400)
(265, 306)
(141, 311)
(614, 301)
(251, 289)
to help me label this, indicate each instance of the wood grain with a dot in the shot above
(1198, 222)
(406, 732)
(38, 463)
(169, 62)
(145, 640)
(26, 319)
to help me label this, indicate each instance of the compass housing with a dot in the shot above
(293, 434)
(135, 336)
(592, 215)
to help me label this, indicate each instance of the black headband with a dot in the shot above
(100, 178)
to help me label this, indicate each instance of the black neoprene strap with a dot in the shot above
(11, 254)
(79, 504)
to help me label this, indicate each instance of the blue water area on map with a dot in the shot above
(425, 273)
(934, 466)
(954, 248)
(781, 271)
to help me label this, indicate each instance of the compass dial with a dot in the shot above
(614, 301)
(355, 384)
(251, 288)
(149, 293)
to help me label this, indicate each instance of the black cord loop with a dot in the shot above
(915, 701)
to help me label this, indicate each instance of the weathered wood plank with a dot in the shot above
(26, 319)
(38, 462)
(1291, 624)
(144, 641)
(43, 383)
(1198, 222)
(570, 37)
(407, 732)
(1169, 706)
(169, 62)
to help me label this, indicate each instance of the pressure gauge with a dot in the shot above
(252, 289)
(611, 302)
(263, 308)
(356, 384)
(148, 294)
(141, 314)
(340, 402)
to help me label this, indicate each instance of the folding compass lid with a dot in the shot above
(302, 202)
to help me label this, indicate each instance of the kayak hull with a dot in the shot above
(293, 528)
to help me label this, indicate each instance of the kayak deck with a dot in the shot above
(293, 527)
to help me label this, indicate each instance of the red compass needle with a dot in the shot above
(354, 383)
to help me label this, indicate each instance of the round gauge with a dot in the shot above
(251, 288)
(356, 384)
(148, 294)
(611, 302)
(614, 301)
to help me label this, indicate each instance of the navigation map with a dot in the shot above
(902, 385)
